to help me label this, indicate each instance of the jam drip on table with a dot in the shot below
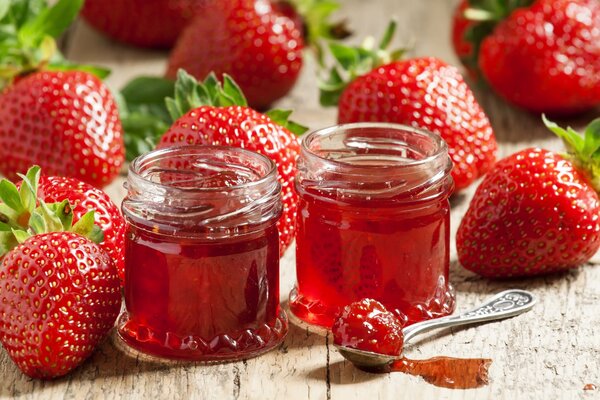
(448, 372)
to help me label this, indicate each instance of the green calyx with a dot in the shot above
(353, 62)
(28, 33)
(485, 15)
(150, 105)
(23, 215)
(584, 150)
(316, 16)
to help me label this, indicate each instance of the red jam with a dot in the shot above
(373, 221)
(202, 259)
(367, 325)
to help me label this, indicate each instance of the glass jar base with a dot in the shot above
(316, 312)
(222, 348)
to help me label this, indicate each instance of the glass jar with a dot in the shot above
(202, 254)
(373, 222)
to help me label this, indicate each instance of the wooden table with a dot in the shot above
(551, 352)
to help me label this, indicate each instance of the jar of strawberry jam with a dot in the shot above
(202, 254)
(373, 222)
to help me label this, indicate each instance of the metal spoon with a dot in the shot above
(503, 305)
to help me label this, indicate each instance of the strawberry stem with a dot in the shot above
(485, 15)
(353, 62)
(23, 214)
(29, 31)
(584, 150)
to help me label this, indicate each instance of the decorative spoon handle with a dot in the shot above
(502, 305)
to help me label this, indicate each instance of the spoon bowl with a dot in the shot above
(506, 304)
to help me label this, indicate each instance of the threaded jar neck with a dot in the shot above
(375, 161)
(199, 190)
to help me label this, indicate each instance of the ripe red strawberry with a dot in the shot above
(83, 198)
(222, 122)
(65, 121)
(422, 92)
(144, 23)
(60, 297)
(541, 55)
(258, 42)
(59, 291)
(367, 325)
(62, 119)
(536, 212)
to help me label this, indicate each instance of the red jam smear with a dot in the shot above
(447, 372)
(194, 300)
(367, 325)
(391, 250)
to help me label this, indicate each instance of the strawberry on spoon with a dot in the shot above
(421, 92)
(536, 212)
(59, 290)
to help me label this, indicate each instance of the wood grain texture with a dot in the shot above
(549, 353)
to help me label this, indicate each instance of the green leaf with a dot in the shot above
(592, 138)
(4, 8)
(51, 21)
(233, 92)
(7, 242)
(86, 227)
(64, 213)
(148, 89)
(37, 223)
(10, 196)
(281, 117)
(96, 235)
(29, 186)
(53, 222)
(572, 139)
(99, 72)
(20, 235)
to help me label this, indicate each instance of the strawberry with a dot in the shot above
(51, 113)
(541, 55)
(84, 197)
(367, 325)
(536, 212)
(143, 23)
(258, 42)
(59, 291)
(212, 114)
(73, 132)
(422, 92)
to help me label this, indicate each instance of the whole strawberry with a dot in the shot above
(83, 198)
(541, 55)
(52, 112)
(536, 212)
(67, 122)
(224, 119)
(423, 92)
(155, 23)
(258, 42)
(59, 290)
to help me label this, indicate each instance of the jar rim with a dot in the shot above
(440, 144)
(136, 166)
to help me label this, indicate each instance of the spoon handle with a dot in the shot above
(502, 305)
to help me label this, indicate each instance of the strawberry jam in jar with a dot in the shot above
(202, 254)
(373, 222)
